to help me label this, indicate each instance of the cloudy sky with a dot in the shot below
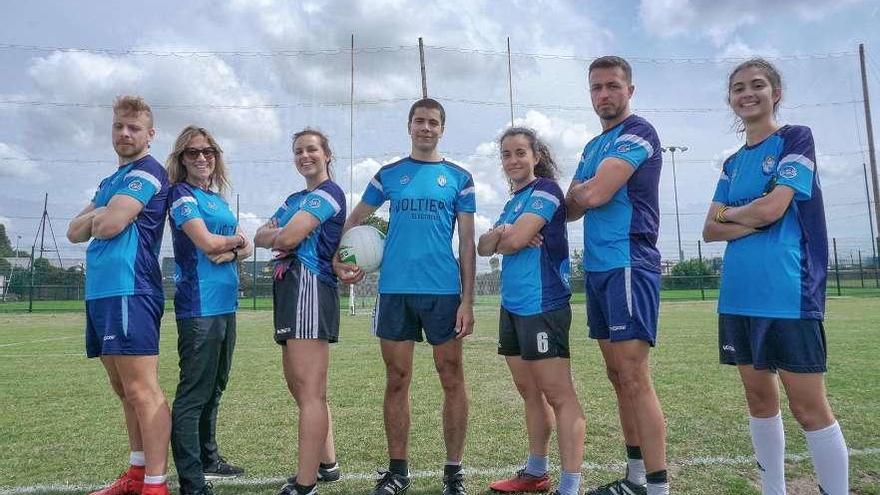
(255, 71)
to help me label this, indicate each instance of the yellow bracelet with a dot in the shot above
(719, 215)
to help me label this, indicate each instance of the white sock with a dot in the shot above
(635, 471)
(658, 488)
(136, 458)
(768, 440)
(154, 480)
(830, 458)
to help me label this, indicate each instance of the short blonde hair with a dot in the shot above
(174, 162)
(129, 104)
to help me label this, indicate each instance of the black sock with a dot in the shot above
(398, 466)
(657, 477)
(303, 490)
(327, 465)
(451, 469)
(633, 452)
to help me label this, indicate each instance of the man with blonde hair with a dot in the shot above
(123, 224)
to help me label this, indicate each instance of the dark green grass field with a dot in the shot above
(61, 430)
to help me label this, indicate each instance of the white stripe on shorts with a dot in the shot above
(375, 324)
(627, 277)
(307, 305)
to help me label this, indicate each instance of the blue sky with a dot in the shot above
(256, 71)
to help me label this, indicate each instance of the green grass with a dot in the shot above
(59, 422)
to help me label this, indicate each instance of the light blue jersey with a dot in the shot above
(623, 232)
(778, 272)
(204, 288)
(128, 264)
(534, 280)
(425, 199)
(327, 204)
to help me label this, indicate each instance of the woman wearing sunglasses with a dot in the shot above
(207, 245)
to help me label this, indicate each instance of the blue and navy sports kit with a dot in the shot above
(204, 288)
(621, 260)
(124, 298)
(535, 280)
(535, 291)
(780, 271)
(425, 198)
(306, 302)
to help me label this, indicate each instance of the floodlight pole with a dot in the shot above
(870, 129)
(672, 150)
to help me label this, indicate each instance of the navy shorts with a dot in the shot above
(303, 306)
(402, 317)
(534, 337)
(772, 343)
(622, 304)
(123, 325)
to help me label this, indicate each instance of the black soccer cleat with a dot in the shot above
(389, 483)
(620, 487)
(221, 470)
(453, 484)
(330, 474)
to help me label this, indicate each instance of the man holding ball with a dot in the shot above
(422, 287)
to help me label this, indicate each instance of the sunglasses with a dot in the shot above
(193, 153)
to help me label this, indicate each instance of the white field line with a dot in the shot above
(40, 340)
(497, 471)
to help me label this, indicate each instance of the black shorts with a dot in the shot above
(540, 336)
(304, 306)
(402, 317)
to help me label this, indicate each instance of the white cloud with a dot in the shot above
(719, 20)
(739, 49)
(96, 79)
(14, 164)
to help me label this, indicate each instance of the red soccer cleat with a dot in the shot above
(160, 489)
(128, 483)
(522, 482)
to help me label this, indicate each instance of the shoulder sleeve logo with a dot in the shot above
(135, 185)
(788, 172)
(314, 203)
(537, 204)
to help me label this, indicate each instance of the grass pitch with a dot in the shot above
(61, 425)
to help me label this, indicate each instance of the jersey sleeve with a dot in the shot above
(797, 162)
(375, 195)
(466, 200)
(324, 202)
(636, 143)
(545, 200)
(142, 182)
(580, 174)
(723, 187)
(184, 206)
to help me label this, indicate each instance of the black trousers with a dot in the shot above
(205, 348)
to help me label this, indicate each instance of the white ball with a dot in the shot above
(363, 246)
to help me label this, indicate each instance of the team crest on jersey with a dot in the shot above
(788, 172)
(441, 180)
(517, 207)
(211, 205)
(314, 203)
(768, 165)
(605, 148)
(404, 180)
(537, 204)
(623, 148)
(185, 210)
(136, 185)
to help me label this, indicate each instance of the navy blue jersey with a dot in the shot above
(204, 288)
(128, 264)
(623, 232)
(425, 199)
(778, 272)
(327, 204)
(535, 280)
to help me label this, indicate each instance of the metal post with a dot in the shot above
(672, 150)
(870, 129)
(351, 302)
(861, 273)
(422, 61)
(254, 288)
(700, 257)
(509, 81)
(836, 266)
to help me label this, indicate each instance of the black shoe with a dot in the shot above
(330, 474)
(289, 488)
(389, 483)
(207, 489)
(619, 487)
(222, 469)
(453, 484)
